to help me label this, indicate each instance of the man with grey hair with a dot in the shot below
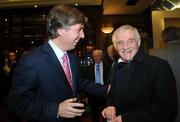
(143, 87)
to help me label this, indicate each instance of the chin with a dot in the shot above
(127, 59)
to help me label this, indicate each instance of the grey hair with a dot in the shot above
(99, 51)
(125, 28)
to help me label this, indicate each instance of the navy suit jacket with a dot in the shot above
(39, 84)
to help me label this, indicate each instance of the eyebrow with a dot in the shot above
(126, 40)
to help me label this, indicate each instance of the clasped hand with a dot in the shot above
(110, 114)
(70, 108)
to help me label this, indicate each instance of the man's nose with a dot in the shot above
(125, 45)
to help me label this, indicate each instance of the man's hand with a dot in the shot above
(109, 113)
(70, 108)
(117, 119)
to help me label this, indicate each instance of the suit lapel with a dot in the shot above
(55, 63)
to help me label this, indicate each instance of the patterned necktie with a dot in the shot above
(98, 74)
(66, 69)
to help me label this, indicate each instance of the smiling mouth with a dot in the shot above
(127, 51)
(75, 44)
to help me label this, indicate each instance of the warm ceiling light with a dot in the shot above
(107, 30)
(35, 6)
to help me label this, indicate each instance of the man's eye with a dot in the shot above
(119, 43)
(131, 40)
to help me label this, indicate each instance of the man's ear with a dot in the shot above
(60, 31)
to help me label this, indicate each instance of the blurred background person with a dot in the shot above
(171, 53)
(10, 60)
(112, 53)
(98, 72)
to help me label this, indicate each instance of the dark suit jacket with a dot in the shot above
(39, 84)
(96, 103)
(144, 90)
(90, 72)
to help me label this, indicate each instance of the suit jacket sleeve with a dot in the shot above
(23, 98)
(88, 85)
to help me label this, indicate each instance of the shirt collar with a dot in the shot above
(59, 53)
(99, 63)
(139, 55)
(120, 60)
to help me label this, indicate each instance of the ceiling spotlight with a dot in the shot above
(168, 5)
(35, 6)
